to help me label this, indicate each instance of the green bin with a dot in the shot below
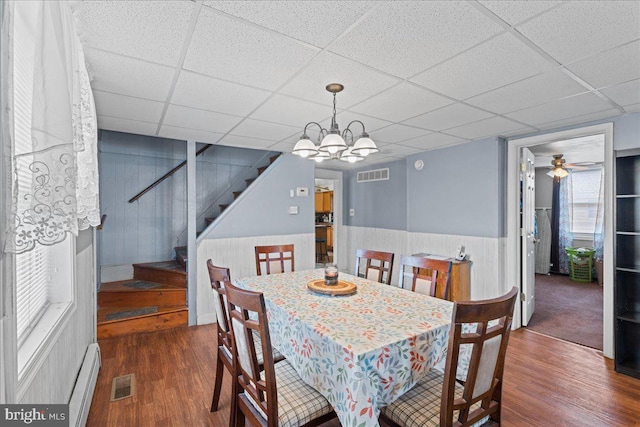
(580, 263)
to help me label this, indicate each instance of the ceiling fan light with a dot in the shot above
(558, 172)
(305, 147)
(364, 146)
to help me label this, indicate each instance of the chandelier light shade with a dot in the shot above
(333, 143)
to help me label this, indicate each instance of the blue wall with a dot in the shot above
(263, 209)
(379, 204)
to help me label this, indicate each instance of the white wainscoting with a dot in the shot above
(238, 255)
(486, 253)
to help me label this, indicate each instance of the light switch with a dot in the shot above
(293, 210)
(352, 212)
(292, 193)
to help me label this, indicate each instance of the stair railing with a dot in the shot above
(227, 190)
(166, 175)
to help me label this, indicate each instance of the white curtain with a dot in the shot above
(54, 148)
(564, 231)
(598, 235)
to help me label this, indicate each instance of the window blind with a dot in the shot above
(33, 275)
(585, 192)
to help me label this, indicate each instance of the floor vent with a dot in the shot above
(123, 387)
(373, 175)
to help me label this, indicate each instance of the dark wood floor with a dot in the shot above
(548, 382)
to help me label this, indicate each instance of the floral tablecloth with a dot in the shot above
(361, 351)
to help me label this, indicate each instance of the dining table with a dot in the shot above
(360, 351)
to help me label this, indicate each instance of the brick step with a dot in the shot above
(165, 318)
(117, 295)
(169, 272)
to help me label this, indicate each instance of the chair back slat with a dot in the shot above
(483, 385)
(248, 314)
(274, 259)
(378, 265)
(217, 276)
(428, 276)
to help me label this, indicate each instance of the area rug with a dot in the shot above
(142, 284)
(132, 313)
(568, 310)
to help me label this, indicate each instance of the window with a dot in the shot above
(44, 275)
(585, 191)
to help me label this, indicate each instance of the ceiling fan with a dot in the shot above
(559, 167)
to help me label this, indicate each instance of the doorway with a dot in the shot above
(513, 268)
(328, 216)
(568, 211)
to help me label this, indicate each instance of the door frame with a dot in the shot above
(513, 254)
(336, 177)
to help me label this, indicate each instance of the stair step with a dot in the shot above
(223, 207)
(262, 169)
(249, 181)
(165, 318)
(169, 272)
(209, 220)
(274, 158)
(236, 194)
(118, 295)
(181, 255)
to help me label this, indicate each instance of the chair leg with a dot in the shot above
(218, 385)
(236, 417)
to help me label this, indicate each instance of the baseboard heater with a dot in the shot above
(80, 401)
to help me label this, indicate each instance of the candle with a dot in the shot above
(331, 274)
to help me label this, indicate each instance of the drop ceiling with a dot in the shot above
(420, 75)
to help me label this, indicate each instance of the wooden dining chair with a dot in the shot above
(218, 276)
(275, 396)
(440, 400)
(376, 265)
(274, 259)
(428, 276)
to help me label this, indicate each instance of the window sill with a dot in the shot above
(36, 348)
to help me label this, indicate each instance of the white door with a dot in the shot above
(527, 215)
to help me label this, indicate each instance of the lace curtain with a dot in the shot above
(54, 143)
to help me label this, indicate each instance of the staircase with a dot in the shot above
(155, 299)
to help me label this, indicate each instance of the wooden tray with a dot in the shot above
(340, 289)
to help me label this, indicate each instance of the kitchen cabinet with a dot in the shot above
(330, 237)
(324, 202)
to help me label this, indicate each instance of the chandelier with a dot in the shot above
(332, 142)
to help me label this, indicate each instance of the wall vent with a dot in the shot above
(374, 175)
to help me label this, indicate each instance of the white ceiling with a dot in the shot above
(420, 75)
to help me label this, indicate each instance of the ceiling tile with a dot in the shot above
(210, 94)
(151, 30)
(624, 94)
(433, 140)
(124, 125)
(298, 19)
(609, 68)
(189, 133)
(264, 130)
(494, 126)
(396, 133)
(119, 74)
(515, 12)
(633, 108)
(581, 119)
(360, 82)
(447, 117)
(291, 111)
(401, 102)
(404, 38)
(245, 142)
(283, 146)
(344, 118)
(579, 29)
(497, 62)
(224, 48)
(562, 109)
(199, 119)
(527, 93)
(398, 150)
(127, 107)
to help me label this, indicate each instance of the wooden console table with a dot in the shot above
(460, 283)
